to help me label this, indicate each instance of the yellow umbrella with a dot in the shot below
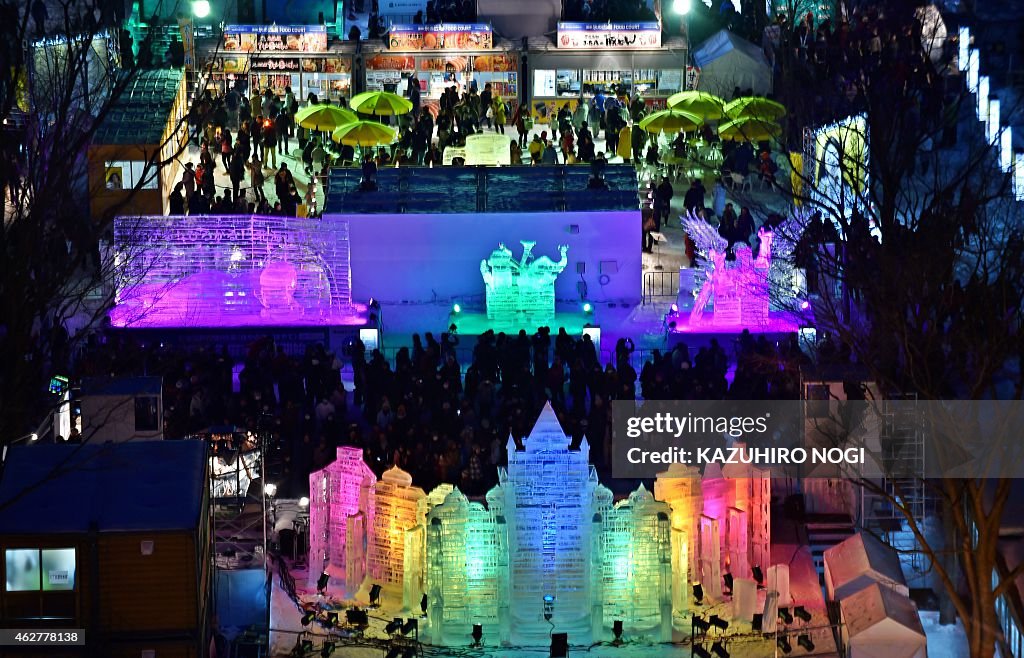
(701, 103)
(324, 117)
(748, 129)
(380, 103)
(670, 121)
(363, 133)
(757, 107)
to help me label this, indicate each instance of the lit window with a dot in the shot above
(32, 569)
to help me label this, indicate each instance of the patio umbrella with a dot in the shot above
(363, 133)
(670, 121)
(703, 104)
(324, 117)
(748, 129)
(380, 103)
(757, 107)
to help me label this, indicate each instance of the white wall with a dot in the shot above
(411, 257)
(112, 418)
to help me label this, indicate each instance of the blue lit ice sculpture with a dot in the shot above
(524, 289)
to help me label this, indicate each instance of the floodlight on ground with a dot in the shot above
(785, 615)
(699, 651)
(322, 582)
(784, 644)
(393, 626)
(304, 502)
(201, 8)
(718, 622)
(307, 646)
(698, 593)
(332, 619)
(682, 7)
(805, 642)
(478, 634)
(674, 308)
(719, 650)
(411, 624)
(617, 631)
(375, 595)
(395, 652)
(700, 626)
(758, 575)
(587, 308)
(728, 582)
(456, 308)
(801, 613)
(307, 618)
(357, 617)
(410, 652)
(327, 649)
(270, 489)
(424, 604)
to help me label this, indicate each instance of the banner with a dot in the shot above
(447, 36)
(188, 41)
(390, 63)
(609, 36)
(289, 38)
(401, 7)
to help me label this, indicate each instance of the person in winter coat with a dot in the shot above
(625, 145)
(500, 115)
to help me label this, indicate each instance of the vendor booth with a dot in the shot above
(623, 59)
(441, 56)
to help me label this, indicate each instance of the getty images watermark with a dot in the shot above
(819, 438)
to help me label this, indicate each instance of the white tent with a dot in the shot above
(859, 561)
(881, 623)
(933, 31)
(727, 61)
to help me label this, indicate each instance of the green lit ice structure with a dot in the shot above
(522, 290)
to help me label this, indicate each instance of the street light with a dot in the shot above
(682, 6)
(201, 8)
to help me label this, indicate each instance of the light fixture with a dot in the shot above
(718, 622)
(801, 613)
(719, 650)
(587, 308)
(728, 582)
(327, 649)
(549, 606)
(424, 604)
(322, 582)
(700, 651)
(682, 6)
(270, 489)
(784, 644)
(357, 617)
(805, 642)
(410, 652)
(785, 615)
(617, 631)
(393, 626)
(307, 618)
(698, 593)
(700, 626)
(758, 575)
(307, 646)
(478, 634)
(674, 308)
(456, 308)
(375, 595)
(332, 619)
(411, 624)
(201, 8)
(304, 501)
(804, 305)
(395, 652)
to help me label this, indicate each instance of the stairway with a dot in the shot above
(823, 532)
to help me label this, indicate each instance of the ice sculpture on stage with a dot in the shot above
(743, 291)
(397, 508)
(523, 289)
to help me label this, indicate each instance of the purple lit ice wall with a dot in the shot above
(232, 270)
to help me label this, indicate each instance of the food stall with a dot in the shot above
(623, 59)
(280, 56)
(441, 56)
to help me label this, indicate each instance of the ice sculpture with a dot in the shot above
(680, 487)
(742, 291)
(398, 507)
(524, 289)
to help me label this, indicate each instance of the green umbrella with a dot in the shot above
(671, 121)
(748, 129)
(756, 107)
(703, 104)
(380, 103)
(363, 133)
(324, 117)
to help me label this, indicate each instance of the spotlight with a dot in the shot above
(395, 652)
(332, 619)
(201, 8)
(322, 582)
(805, 642)
(682, 7)
(410, 652)
(411, 624)
(698, 593)
(304, 502)
(700, 626)
(728, 582)
(785, 615)
(758, 575)
(270, 489)
(357, 617)
(804, 305)
(327, 649)
(674, 308)
(549, 606)
(718, 622)
(375, 596)
(719, 650)
(801, 613)
(424, 604)
(308, 618)
(559, 645)
(456, 308)
(307, 646)
(393, 626)
(784, 644)
(587, 308)
(478, 634)
(699, 651)
(617, 631)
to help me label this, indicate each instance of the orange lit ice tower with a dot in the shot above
(680, 487)
(398, 508)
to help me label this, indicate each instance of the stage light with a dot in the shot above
(700, 651)
(332, 619)
(201, 8)
(682, 7)
(456, 308)
(549, 606)
(785, 616)
(395, 652)
(698, 593)
(357, 617)
(393, 626)
(322, 582)
(411, 624)
(375, 595)
(307, 646)
(805, 642)
(559, 645)
(728, 582)
(784, 644)
(424, 604)
(410, 652)
(478, 634)
(700, 626)
(758, 575)
(270, 489)
(307, 618)
(804, 305)
(587, 308)
(304, 502)
(801, 612)
(617, 630)
(674, 308)
(719, 650)
(718, 622)
(327, 649)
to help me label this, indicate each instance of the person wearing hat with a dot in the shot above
(188, 180)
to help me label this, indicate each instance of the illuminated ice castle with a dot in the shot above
(549, 550)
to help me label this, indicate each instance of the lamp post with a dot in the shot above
(684, 9)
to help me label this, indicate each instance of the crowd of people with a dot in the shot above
(423, 410)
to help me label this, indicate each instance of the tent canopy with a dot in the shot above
(883, 623)
(858, 556)
(727, 61)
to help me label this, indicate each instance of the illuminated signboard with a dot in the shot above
(447, 36)
(609, 36)
(283, 38)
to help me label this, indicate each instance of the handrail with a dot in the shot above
(660, 284)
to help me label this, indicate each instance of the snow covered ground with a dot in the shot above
(944, 641)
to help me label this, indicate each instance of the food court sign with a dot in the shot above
(609, 36)
(446, 36)
(275, 38)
